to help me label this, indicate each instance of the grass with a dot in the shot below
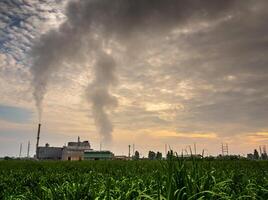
(173, 179)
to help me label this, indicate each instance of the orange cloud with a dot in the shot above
(258, 137)
(164, 133)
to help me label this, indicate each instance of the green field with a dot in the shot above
(174, 179)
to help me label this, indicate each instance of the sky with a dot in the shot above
(138, 72)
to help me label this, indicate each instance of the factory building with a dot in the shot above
(75, 150)
(98, 155)
(49, 153)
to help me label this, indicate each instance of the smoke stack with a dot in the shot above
(37, 142)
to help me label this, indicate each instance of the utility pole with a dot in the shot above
(129, 151)
(28, 150)
(166, 150)
(195, 149)
(20, 149)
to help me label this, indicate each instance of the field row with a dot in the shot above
(172, 179)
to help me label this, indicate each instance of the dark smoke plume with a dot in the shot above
(92, 23)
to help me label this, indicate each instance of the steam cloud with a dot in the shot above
(99, 94)
(92, 23)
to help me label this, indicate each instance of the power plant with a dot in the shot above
(79, 150)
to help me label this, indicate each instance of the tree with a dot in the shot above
(250, 156)
(264, 156)
(7, 158)
(170, 154)
(136, 155)
(151, 155)
(159, 155)
(256, 154)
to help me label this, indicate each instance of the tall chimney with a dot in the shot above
(37, 142)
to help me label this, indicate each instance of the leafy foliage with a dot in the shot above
(172, 179)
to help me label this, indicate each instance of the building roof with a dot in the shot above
(84, 144)
(48, 147)
(97, 152)
(98, 155)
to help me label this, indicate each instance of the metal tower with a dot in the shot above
(224, 149)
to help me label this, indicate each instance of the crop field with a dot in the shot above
(172, 179)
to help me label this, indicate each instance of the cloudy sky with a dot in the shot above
(134, 71)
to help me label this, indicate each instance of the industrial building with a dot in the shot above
(75, 150)
(49, 153)
(98, 155)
